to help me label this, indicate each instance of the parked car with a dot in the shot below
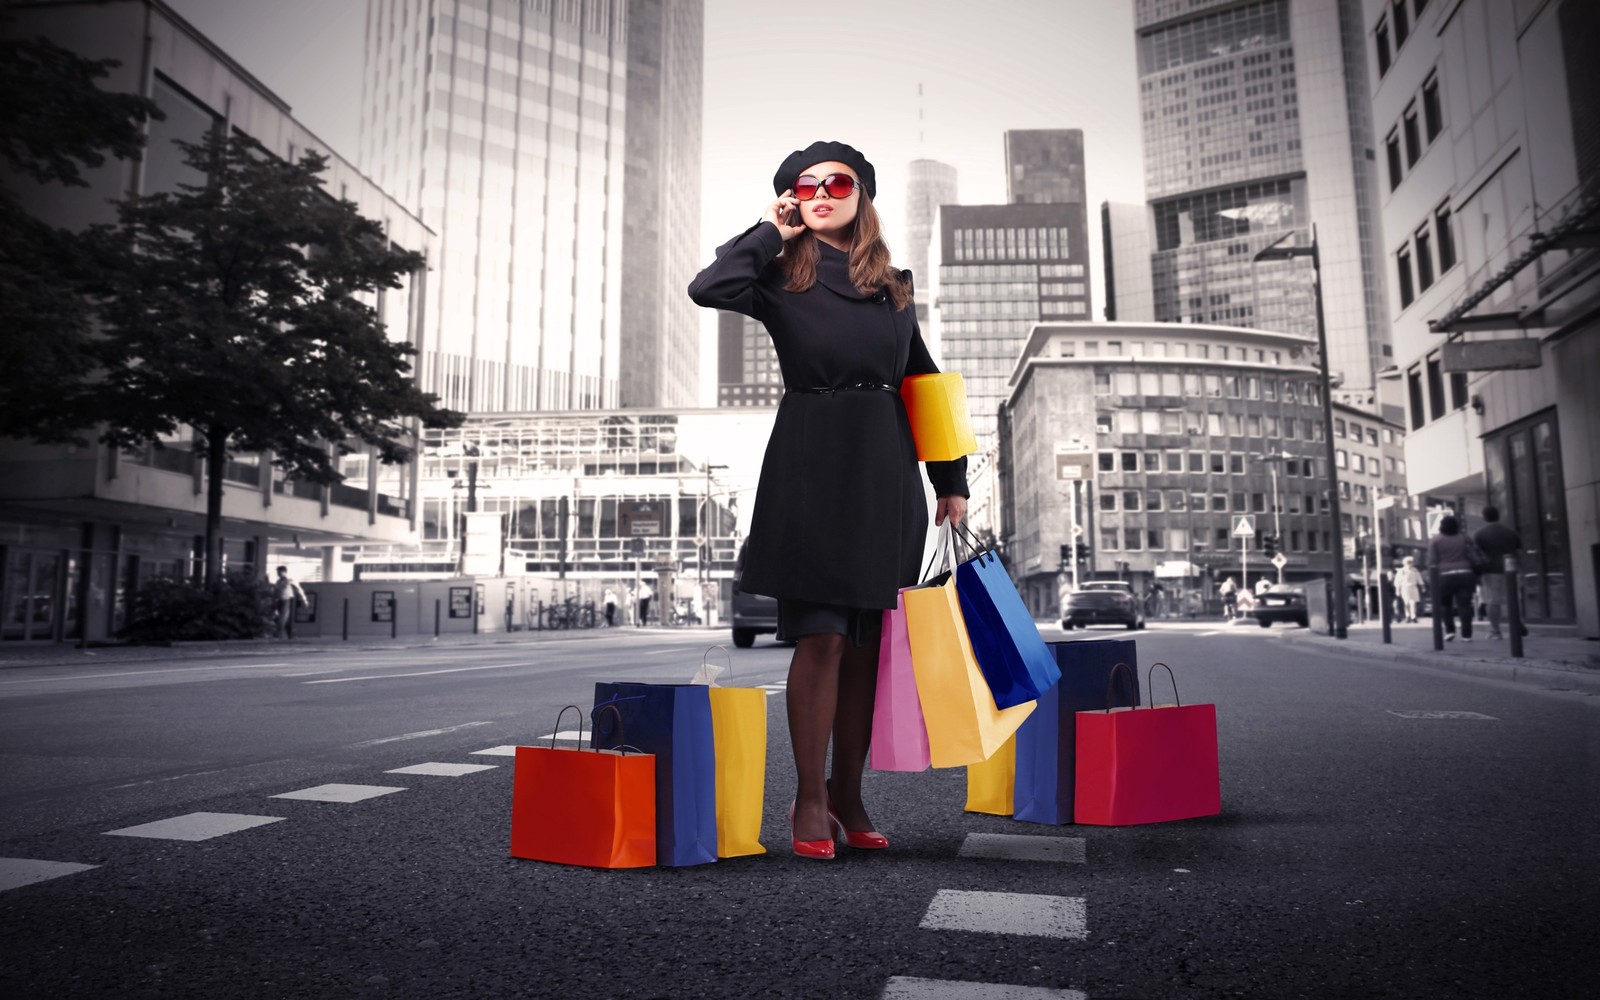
(1103, 602)
(1282, 602)
(753, 614)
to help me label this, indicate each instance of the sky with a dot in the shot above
(781, 75)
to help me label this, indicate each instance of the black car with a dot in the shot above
(753, 614)
(1103, 602)
(1282, 603)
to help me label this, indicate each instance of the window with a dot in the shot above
(1446, 240)
(1216, 463)
(1130, 461)
(1258, 503)
(1108, 461)
(1382, 37)
(1239, 503)
(1130, 500)
(1102, 423)
(1178, 538)
(1197, 461)
(1436, 407)
(1402, 23)
(1424, 259)
(1154, 541)
(1174, 461)
(1219, 502)
(1253, 425)
(1153, 501)
(1432, 115)
(1108, 540)
(1338, 427)
(1134, 540)
(1458, 390)
(1236, 465)
(1403, 264)
(1414, 389)
(1358, 462)
(1108, 500)
(1177, 500)
(1408, 122)
(1102, 383)
(1341, 459)
(1392, 145)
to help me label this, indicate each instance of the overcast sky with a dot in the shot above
(780, 75)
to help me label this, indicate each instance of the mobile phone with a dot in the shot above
(794, 217)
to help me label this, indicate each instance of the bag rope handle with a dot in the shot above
(724, 653)
(1148, 681)
(558, 726)
(622, 743)
(1112, 679)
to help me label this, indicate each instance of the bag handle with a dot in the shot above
(1112, 679)
(1177, 701)
(974, 544)
(622, 743)
(558, 726)
(945, 546)
(724, 653)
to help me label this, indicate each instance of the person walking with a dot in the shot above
(610, 602)
(839, 521)
(1408, 584)
(286, 596)
(1229, 592)
(1451, 553)
(1497, 541)
(645, 593)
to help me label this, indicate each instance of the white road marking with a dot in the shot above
(504, 750)
(195, 826)
(912, 988)
(1422, 713)
(16, 872)
(1008, 913)
(339, 793)
(568, 735)
(414, 736)
(1202, 635)
(140, 673)
(416, 673)
(1024, 847)
(443, 770)
(176, 777)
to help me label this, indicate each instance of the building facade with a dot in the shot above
(929, 184)
(82, 528)
(1256, 127)
(1488, 117)
(747, 363)
(1125, 239)
(1044, 166)
(505, 125)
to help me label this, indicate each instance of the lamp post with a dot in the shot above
(1277, 509)
(1339, 612)
(704, 524)
(471, 453)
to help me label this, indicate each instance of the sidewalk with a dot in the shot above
(1550, 658)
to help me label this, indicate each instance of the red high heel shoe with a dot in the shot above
(863, 840)
(821, 850)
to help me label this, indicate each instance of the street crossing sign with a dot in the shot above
(1279, 561)
(1244, 525)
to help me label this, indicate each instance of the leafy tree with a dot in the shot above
(55, 123)
(233, 308)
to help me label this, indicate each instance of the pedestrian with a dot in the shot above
(1263, 584)
(610, 601)
(1497, 541)
(840, 520)
(1408, 584)
(1450, 552)
(1229, 592)
(286, 597)
(645, 593)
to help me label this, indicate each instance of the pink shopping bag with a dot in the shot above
(899, 735)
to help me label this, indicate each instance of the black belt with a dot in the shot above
(827, 390)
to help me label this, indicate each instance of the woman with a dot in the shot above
(840, 519)
(1448, 552)
(1408, 584)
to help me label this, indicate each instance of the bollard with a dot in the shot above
(1386, 610)
(394, 619)
(436, 618)
(1438, 609)
(346, 636)
(1513, 588)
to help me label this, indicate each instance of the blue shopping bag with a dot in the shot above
(1047, 741)
(672, 721)
(1012, 654)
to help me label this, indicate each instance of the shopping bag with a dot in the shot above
(739, 737)
(964, 723)
(582, 806)
(1147, 765)
(673, 722)
(940, 422)
(899, 735)
(990, 782)
(1010, 651)
(1047, 743)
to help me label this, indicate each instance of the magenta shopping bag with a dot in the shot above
(899, 736)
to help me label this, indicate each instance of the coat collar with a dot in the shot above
(833, 271)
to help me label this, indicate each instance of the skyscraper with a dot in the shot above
(929, 184)
(1044, 166)
(505, 125)
(1256, 125)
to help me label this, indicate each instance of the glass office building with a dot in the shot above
(506, 125)
(1256, 123)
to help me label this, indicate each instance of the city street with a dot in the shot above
(1360, 852)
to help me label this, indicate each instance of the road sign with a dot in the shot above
(1077, 529)
(1244, 525)
(1384, 503)
(636, 546)
(1279, 561)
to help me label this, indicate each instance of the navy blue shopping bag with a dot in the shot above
(1010, 652)
(1048, 739)
(672, 721)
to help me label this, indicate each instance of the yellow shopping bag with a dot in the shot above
(964, 725)
(940, 422)
(739, 734)
(991, 783)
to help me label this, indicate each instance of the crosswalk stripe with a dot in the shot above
(1008, 913)
(912, 988)
(195, 826)
(1024, 847)
(16, 872)
(339, 793)
(438, 769)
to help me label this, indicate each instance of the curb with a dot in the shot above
(1558, 675)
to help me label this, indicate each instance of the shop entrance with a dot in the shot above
(34, 593)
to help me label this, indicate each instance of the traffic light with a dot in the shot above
(1066, 554)
(1083, 551)
(1269, 545)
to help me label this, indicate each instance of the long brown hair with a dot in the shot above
(870, 267)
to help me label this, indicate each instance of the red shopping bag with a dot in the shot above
(584, 807)
(1146, 765)
(899, 736)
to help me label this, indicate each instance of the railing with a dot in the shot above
(344, 495)
(241, 472)
(393, 506)
(301, 488)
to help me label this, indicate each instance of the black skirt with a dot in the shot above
(863, 626)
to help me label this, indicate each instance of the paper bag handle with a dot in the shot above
(558, 725)
(1148, 681)
(724, 653)
(622, 744)
(1112, 679)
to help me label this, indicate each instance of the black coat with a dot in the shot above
(840, 516)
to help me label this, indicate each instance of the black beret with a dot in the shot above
(823, 152)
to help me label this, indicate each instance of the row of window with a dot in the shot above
(1402, 18)
(1417, 139)
(1425, 390)
(1069, 348)
(1177, 540)
(1134, 501)
(1213, 386)
(1429, 239)
(1219, 463)
(1010, 243)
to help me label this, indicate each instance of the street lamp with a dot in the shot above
(1277, 509)
(1339, 612)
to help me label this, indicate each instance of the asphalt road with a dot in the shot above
(1359, 853)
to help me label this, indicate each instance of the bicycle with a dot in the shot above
(570, 614)
(682, 613)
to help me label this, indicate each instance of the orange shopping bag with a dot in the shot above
(940, 422)
(584, 807)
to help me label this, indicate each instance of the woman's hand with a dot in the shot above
(778, 212)
(954, 507)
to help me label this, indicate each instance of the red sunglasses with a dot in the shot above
(837, 186)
